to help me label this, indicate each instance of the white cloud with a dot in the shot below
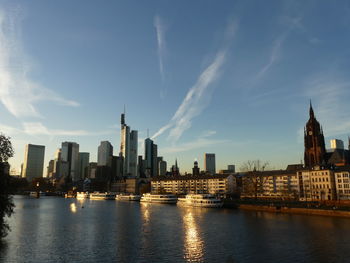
(18, 93)
(199, 95)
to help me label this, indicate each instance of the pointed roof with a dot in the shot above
(311, 111)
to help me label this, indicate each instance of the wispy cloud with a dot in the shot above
(160, 31)
(199, 95)
(274, 55)
(18, 92)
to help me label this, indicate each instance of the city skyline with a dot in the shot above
(227, 80)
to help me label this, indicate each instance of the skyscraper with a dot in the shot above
(128, 149)
(105, 151)
(133, 153)
(151, 152)
(70, 155)
(209, 163)
(84, 159)
(162, 167)
(33, 161)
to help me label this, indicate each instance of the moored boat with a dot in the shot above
(126, 197)
(82, 195)
(200, 200)
(102, 196)
(159, 198)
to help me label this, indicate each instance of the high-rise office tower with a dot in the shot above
(128, 149)
(50, 169)
(33, 161)
(209, 163)
(162, 167)
(70, 155)
(133, 154)
(84, 159)
(151, 152)
(105, 151)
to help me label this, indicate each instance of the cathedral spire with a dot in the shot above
(312, 115)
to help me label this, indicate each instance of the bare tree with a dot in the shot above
(254, 165)
(254, 180)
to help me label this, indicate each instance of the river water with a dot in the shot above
(52, 229)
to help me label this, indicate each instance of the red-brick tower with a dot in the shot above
(315, 150)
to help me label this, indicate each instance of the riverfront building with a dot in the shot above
(342, 182)
(33, 161)
(317, 185)
(189, 184)
(270, 184)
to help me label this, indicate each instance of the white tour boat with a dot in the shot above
(200, 200)
(159, 198)
(82, 195)
(126, 197)
(102, 196)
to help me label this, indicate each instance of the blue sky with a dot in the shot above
(229, 77)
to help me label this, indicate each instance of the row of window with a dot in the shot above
(345, 175)
(320, 179)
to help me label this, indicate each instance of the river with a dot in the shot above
(52, 229)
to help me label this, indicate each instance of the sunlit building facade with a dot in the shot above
(189, 184)
(33, 164)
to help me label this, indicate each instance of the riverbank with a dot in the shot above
(295, 210)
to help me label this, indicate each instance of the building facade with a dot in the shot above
(151, 158)
(70, 155)
(104, 151)
(209, 163)
(212, 184)
(342, 182)
(270, 184)
(128, 149)
(33, 164)
(84, 159)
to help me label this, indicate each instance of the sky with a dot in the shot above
(232, 78)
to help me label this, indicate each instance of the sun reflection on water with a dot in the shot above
(193, 245)
(73, 207)
(145, 212)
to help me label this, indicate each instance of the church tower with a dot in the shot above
(315, 149)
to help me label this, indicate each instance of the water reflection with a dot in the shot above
(145, 212)
(193, 242)
(73, 208)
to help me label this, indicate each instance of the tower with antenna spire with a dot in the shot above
(314, 144)
(128, 148)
